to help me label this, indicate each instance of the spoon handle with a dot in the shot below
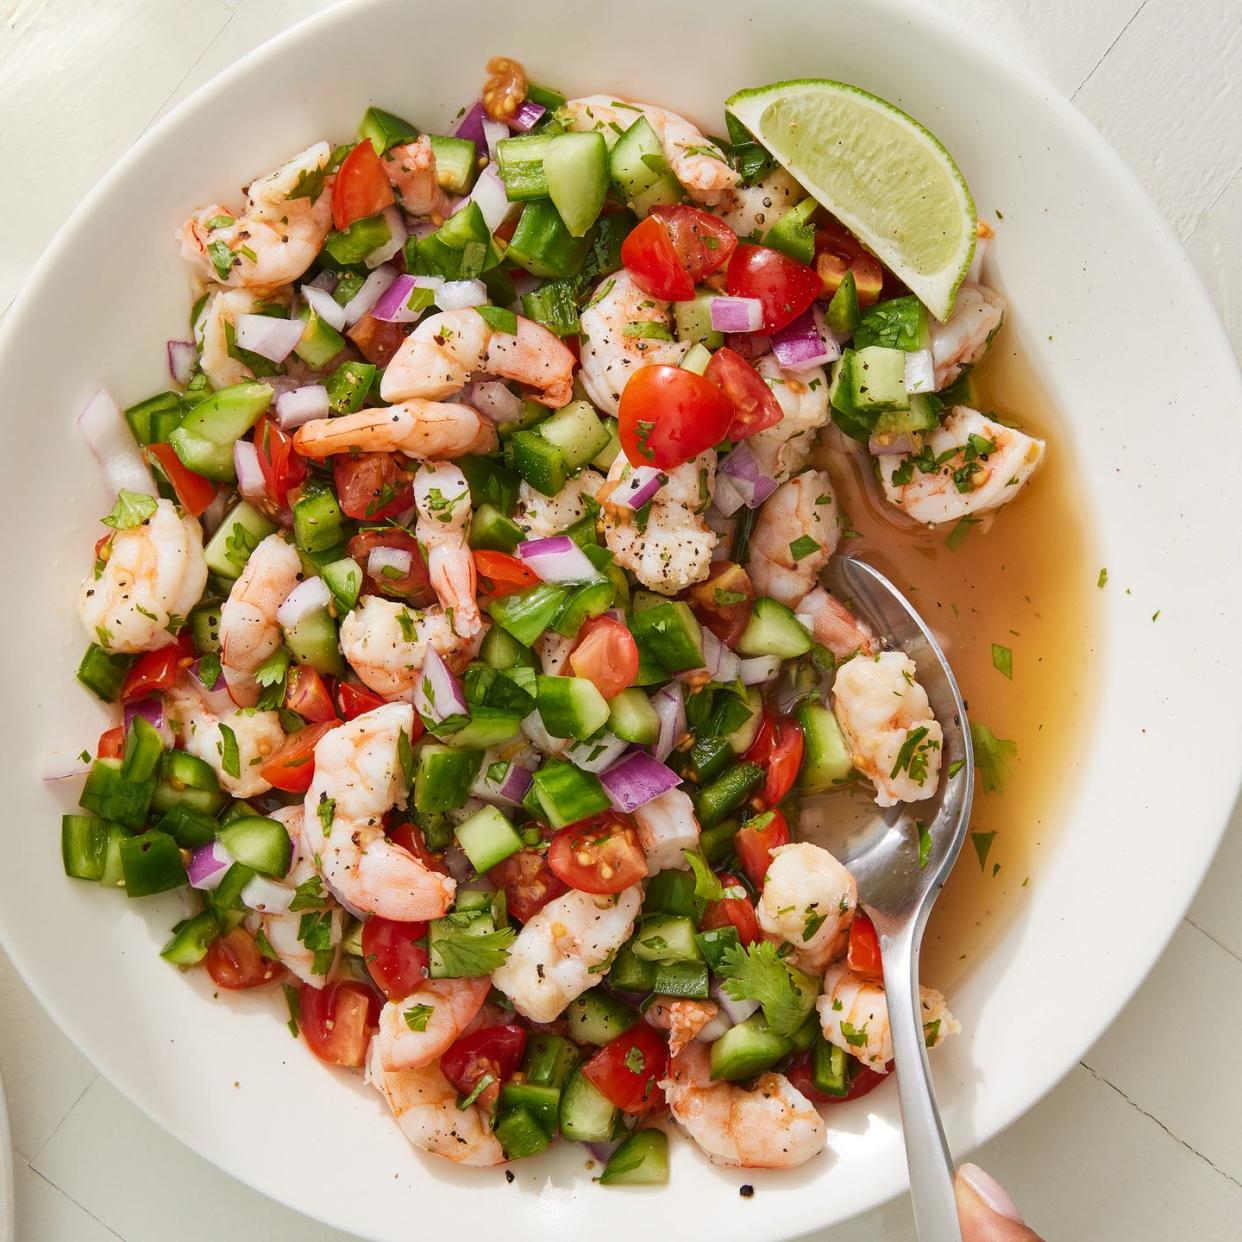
(927, 1153)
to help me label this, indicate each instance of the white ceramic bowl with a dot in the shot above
(1103, 300)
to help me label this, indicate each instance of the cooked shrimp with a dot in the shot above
(249, 631)
(386, 643)
(683, 1019)
(783, 564)
(783, 448)
(219, 314)
(425, 430)
(442, 497)
(550, 963)
(426, 1107)
(674, 549)
(415, 1030)
(988, 466)
(834, 626)
(358, 778)
(853, 1014)
(239, 754)
(438, 358)
(750, 210)
(279, 233)
(771, 1126)
(808, 900)
(696, 161)
(667, 827)
(886, 718)
(411, 170)
(964, 337)
(609, 356)
(541, 515)
(144, 576)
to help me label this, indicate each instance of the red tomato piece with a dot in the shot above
(306, 694)
(282, 467)
(356, 700)
(361, 187)
(529, 883)
(293, 765)
(755, 841)
(669, 415)
(234, 962)
(414, 586)
(337, 1021)
(605, 654)
(410, 838)
(157, 671)
(736, 912)
(372, 486)
(784, 287)
(494, 1050)
(785, 760)
(723, 602)
(395, 960)
(111, 743)
(601, 855)
(502, 574)
(628, 1069)
(193, 491)
(376, 339)
(650, 258)
(864, 952)
(754, 403)
(702, 242)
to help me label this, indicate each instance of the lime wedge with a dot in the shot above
(880, 172)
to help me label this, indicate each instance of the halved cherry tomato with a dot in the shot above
(111, 743)
(723, 602)
(864, 951)
(529, 883)
(648, 254)
(193, 491)
(414, 586)
(293, 765)
(376, 339)
(502, 574)
(600, 855)
(234, 962)
(756, 839)
(778, 747)
(157, 671)
(703, 243)
(395, 961)
(372, 486)
(669, 415)
(355, 700)
(410, 838)
(736, 912)
(628, 1069)
(361, 187)
(337, 1021)
(494, 1050)
(282, 467)
(837, 252)
(784, 287)
(306, 694)
(863, 1079)
(754, 404)
(606, 655)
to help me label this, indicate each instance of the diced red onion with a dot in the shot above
(670, 706)
(305, 598)
(327, 280)
(597, 754)
(325, 306)
(639, 486)
(603, 1151)
(890, 445)
(508, 791)
(396, 560)
(493, 132)
(805, 343)
(636, 780)
(726, 497)
(263, 894)
(213, 515)
(250, 481)
(920, 371)
(207, 866)
(755, 670)
(151, 709)
(737, 1011)
(540, 738)
(300, 405)
(217, 698)
(719, 661)
(471, 125)
(493, 399)
(557, 559)
(458, 863)
(750, 345)
(489, 194)
(107, 434)
(714, 1029)
(748, 477)
(394, 307)
(806, 620)
(372, 290)
(182, 355)
(437, 694)
(736, 314)
(459, 294)
(397, 234)
(64, 765)
(527, 116)
(267, 336)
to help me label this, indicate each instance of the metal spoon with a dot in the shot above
(898, 893)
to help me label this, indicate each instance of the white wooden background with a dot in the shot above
(1142, 1141)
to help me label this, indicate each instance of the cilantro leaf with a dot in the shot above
(706, 884)
(803, 546)
(309, 184)
(787, 995)
(293, 998)
(982, 841)
(855, 1036)
(992, 756)
(209, 669)
(498, 319)
(315, 932)
(131, 509)
(308, 895)
(464, 956)
(477, 1090)
(326, 810)
(635, 1062)
(416, 1016)
(925, 843)
(272, 671)
(1002, 660)
(230, 756)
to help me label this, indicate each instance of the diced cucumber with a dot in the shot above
(487, 838)
(457, 161)
(851, 418)
(191, 939)
(608, 454)
(487, 726)
(898, 323)
(671, 632)
(687, 979)
(344, 579)
(591, 599)
(227, 414)
(526, 614)
(520, 1133)
(666, 938)
(314, 641)
(555, 305)
(443, 776)
(587, 1115)
(567, 795)
(895, 425)
(632, 718)
(576, 430)
(317, 518)
(543, 245)
(741, 737)
(694, 320)
(696, 359)
(747, 1049)
(641, 1160)
(672, 892)
(242, 530)
(489, 528)
(575, 167)
(828, 760)
(640, 170)
(532, 413)
(571, 706)
(830, 1068)
(260, 843)
(629, 973)
(596, 1017)
(501, 650)
(385, 130)
(542, 1103)
(773, 630)
(520, 164)
(878, 375)
(540, 462)
(549, 1061)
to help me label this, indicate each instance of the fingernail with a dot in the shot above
(990, 1191)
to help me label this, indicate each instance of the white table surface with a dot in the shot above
(1141, 1142)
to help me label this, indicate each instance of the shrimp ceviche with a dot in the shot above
(464, 602)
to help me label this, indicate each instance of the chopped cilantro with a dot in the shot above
(131, 509)
(230, 756)
(465, 956)
(855, 1036)
(983, 844)
(326, 810)
(992, 756)
(802, 547)
(308, 895)
(485, 1081)
(293, 998)
(498, 319)
(416, 1016)
(706, 884)
(1102, 580)
(635, 1061)
(925, 843)
(757, 973)
(1002, 660)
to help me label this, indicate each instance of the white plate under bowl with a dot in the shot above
(1103, 300)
